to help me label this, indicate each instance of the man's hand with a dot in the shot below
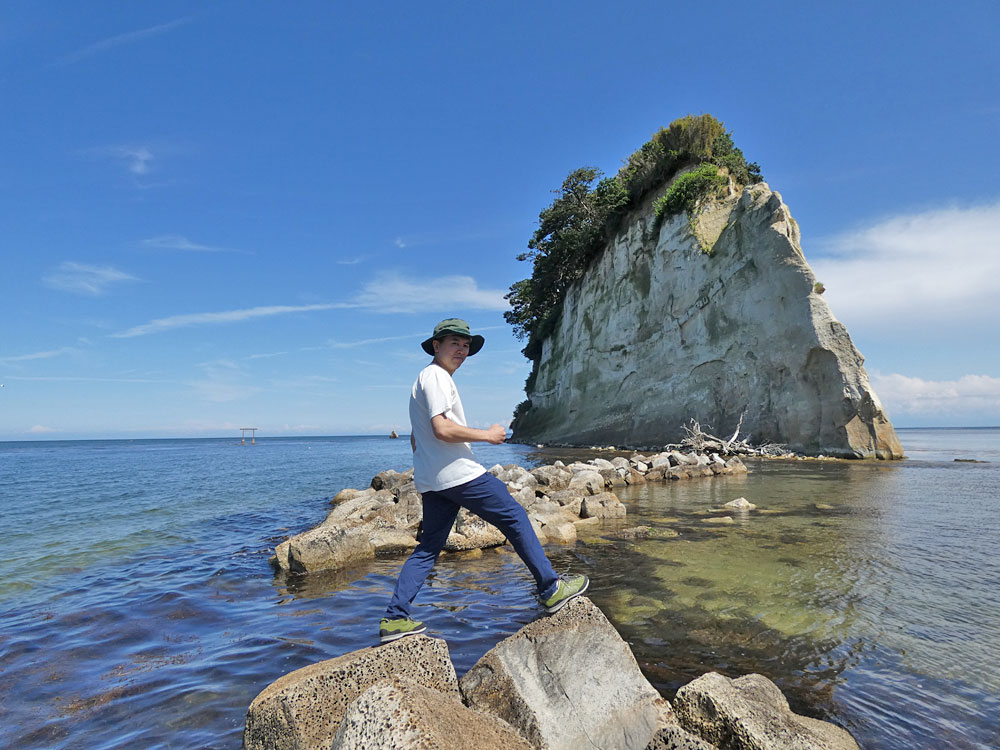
(496, 434)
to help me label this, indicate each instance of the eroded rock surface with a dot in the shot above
(659, 332)
(750, 713)
(568, 681)
(303, 709)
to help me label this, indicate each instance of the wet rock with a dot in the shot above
(740, 503)
(327, 548)
(568, 681)
(720, 519)
(303, 709)
(636, 532)
(750, 713)
(404, 715)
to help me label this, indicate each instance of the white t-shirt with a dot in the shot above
(438, 465)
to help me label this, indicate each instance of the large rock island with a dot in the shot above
(710, 314)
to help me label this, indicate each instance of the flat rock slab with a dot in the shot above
(303, 709)
(569, 681)
(403, 715)
(750, 713)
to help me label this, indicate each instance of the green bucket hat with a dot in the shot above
(458, 327)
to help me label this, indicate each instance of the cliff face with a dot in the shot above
(658, 332)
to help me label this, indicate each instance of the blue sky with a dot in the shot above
(216, 215)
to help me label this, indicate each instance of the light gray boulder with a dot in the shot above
(303, 709)
(404, 715)
(750, 713)
(567, 682)
(472, 532)
(325, 548)
(602, 463)
(604, 505)
(619, 462)
(347, 494)
(588, 481)
(662, 461)
(740, 503)
(390, 480)
(552, 477)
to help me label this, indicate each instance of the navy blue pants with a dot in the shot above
(488, 498)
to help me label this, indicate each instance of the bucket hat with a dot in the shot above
(458, 327)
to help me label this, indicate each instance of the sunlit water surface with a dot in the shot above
(137, 608)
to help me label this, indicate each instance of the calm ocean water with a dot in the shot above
(137, 608)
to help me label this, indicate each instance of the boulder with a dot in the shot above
(303, 709)
(404, 715)
(346, 494)
(392, 541)
(750, 713)
(676, 738)
(604, 505)
(619, 462)
(389, 479)
(662, 461)
(636, 477)
(601, 463)
(567, 682)
(552, 477)
(472, 532)
(740, 503)
(327, 548)
(587, 481)
(361, 508)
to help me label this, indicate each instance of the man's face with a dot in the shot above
(451, 351)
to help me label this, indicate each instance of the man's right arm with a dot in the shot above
(449, 432)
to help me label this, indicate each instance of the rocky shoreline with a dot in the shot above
(561, 500)
(565, 681)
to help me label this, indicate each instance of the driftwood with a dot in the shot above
(700, 441)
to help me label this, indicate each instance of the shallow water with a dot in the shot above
(137, 608)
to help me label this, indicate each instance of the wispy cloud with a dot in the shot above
(365, 342)
(85, 279)
(216, 318)
(391, 292)
(966, 396)
(119, 40)
(937, 267)
(137, 160)
(82, 379)
(223, 381)
(350, 261)
(37, 355)
(265, 355)
(387, 293)
(179, 242)
(40, 429)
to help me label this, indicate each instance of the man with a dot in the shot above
(448, 477)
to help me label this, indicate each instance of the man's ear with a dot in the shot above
(436, 344)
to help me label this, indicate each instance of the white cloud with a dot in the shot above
(969, 395)
(179, 242)
(84, 279)
(350, 261)
(118, 40)
(40, 429)
(391, 292)
(215, 318)
(38, 355)
(388, 293)
(223, 382)
(939, 266)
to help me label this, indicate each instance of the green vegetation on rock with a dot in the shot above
(589, 209)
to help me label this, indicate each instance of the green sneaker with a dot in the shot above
(568, 588)
(391, 630)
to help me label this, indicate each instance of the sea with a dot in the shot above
(138, 608)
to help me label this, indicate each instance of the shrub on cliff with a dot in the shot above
(585, 216)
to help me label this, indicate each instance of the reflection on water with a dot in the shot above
(867, 592)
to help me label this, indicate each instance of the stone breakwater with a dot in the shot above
(566, 681)
(561, 500)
